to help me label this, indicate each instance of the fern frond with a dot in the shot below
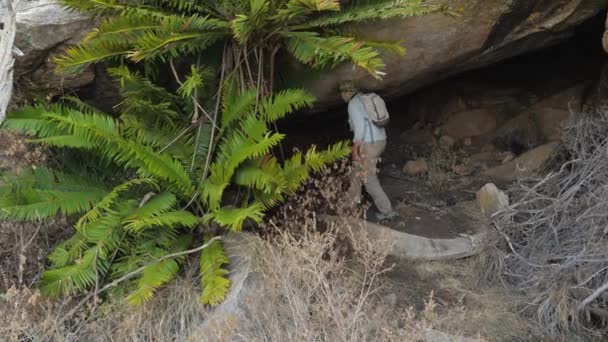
(233, 218)
(193, 81)
(214, 281)
(235, 103)
(153, 276)
(284, 102)
(169, 220)
(106, 232)
(76, 277)
(318, 52)
(372, 10)
(143, 98)
(178, 36)
(77, 58)
(67, 251)
(159, 204)
(102, 132)
(32, 120)
(299, 9)
(158, 273)
(42, 193)
(122, 27)
(265, 175)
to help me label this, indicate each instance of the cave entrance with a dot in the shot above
(497, 124)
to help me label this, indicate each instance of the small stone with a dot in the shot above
(490, 199)
(462, 170)
(505, 157)
(415, 167)
(446, 142)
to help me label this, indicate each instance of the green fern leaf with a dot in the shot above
(214, 281)
(154, 276)
(233, 218)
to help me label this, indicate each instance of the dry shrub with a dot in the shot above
(326, 286)
(555, 234)
(171, 316)
(24, 247)
(313, 282)
(15, 154)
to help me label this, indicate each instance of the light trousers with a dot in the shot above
(365, 172)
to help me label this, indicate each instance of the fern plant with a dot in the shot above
(254, 30)
(185, 145)
(118, 232)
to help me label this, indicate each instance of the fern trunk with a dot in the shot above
(8, 28)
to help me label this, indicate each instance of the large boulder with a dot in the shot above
(45, 29)
(440, 45)
(524, 165)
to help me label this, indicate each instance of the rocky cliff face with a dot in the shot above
(45, 29)
(438, 45)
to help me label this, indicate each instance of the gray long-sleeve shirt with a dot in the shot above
(363, 128)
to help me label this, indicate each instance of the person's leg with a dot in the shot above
(357, 175)
(370, 155)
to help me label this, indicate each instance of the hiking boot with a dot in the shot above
(387, 216)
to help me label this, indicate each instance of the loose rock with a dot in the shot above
(490, 199)
(525, 165)
(470, 123)
(446, 142)
(462, 170)
(549, 121)
(505, 157)
(416, 167)
(518, 134)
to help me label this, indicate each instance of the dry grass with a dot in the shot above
(312, 283)
(555, 235)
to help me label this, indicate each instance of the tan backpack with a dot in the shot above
(375, 108)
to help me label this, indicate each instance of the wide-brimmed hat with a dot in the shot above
(348, 87)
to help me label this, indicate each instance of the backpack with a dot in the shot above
(375, 108)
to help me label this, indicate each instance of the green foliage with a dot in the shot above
(117, 233)
(186, 147)
(162, 30)
(214, 283)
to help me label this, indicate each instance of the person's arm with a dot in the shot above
(356, 145)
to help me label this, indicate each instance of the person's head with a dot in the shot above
(347, 90)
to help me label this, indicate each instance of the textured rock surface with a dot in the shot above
(241, 248)
(415, 167)
(44, 29)
(490, 199)
(525, 165)
(439, 45)
(8, 22)
(470, 123)
(416, 247)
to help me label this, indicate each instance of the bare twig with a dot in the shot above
(593, 296)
